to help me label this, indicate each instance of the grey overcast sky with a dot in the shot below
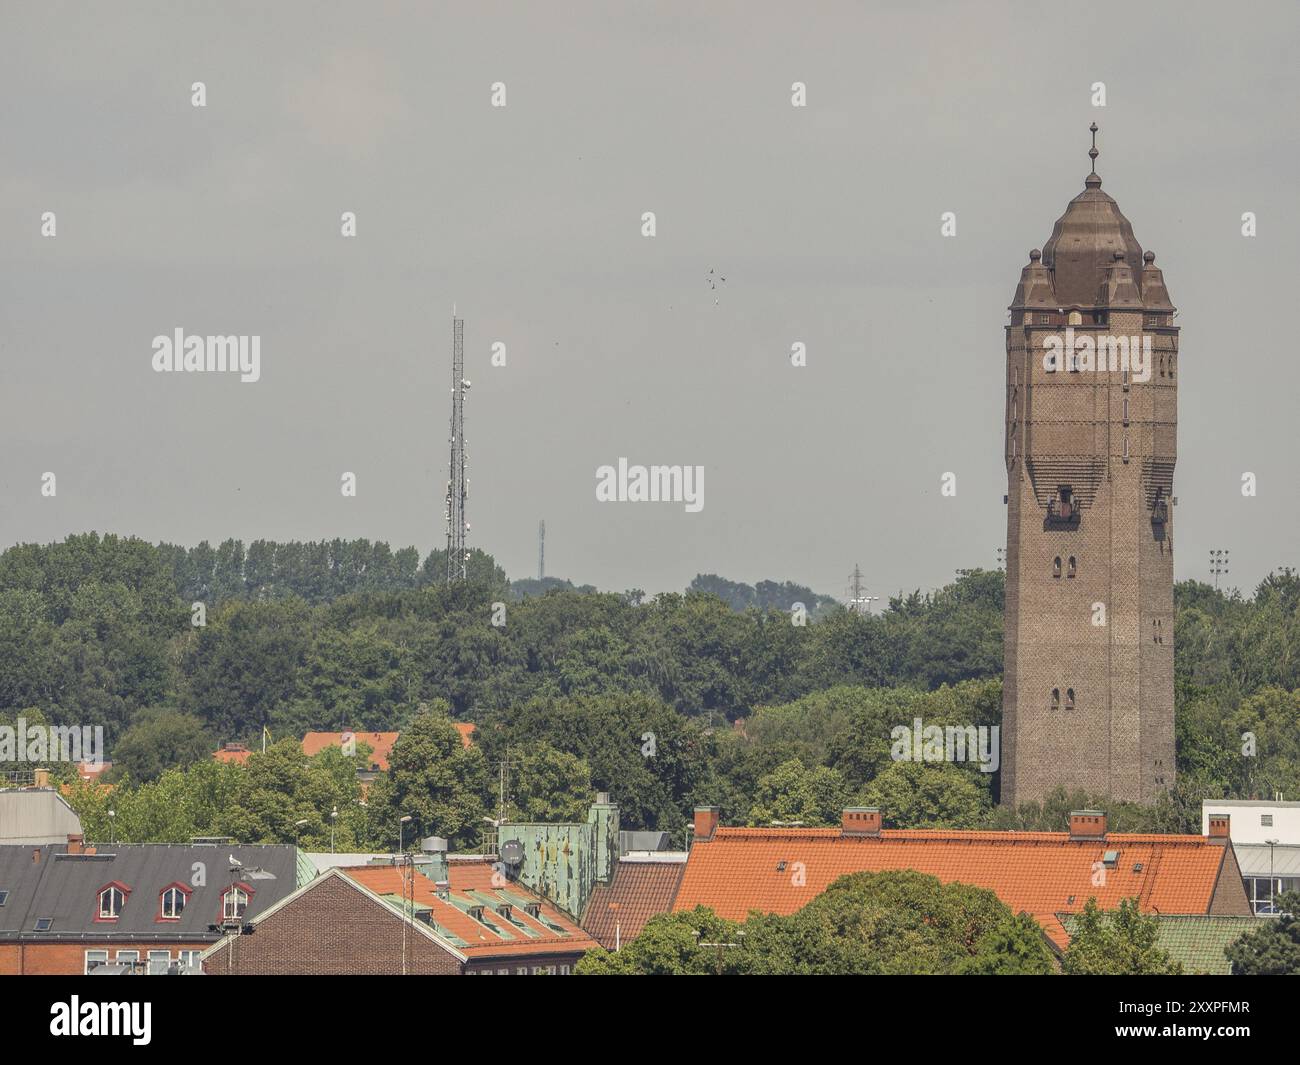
(825, 221)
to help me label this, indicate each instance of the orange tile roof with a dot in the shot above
(232, 752)
(475, 875)
(380, 744)
(617, 911)
(466, 730)
(1040, 873)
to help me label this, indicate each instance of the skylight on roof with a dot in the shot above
(43, 924)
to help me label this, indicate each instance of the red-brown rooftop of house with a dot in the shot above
(475, 882)
(232, 752)
(778, 870)
(380, 744)
(640, 889)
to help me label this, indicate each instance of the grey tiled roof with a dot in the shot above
(65, 887)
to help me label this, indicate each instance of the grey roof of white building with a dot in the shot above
(1255, 860)
(34, 816)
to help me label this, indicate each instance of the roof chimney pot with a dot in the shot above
(1220, 824)
(1087, 824)
(706, 821)
(860, 821)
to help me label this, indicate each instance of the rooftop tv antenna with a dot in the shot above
(541, 550)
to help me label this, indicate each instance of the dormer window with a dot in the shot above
(111, 901)
(172, 902)
(1075, 318)
(233, 903)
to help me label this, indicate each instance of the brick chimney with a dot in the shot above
(860, 821)
(41, 778)
(75, 841)
(1087, 824)
(706, 821)
(1219, 826)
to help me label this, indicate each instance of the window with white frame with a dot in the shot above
(173, 902)
(96, 958)
(111, 900)
(233, 904)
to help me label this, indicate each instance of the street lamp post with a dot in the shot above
(401, 828)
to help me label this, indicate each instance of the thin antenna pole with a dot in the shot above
(541, 550)
(457, 466)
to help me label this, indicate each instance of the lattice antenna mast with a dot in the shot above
(859, 601)
(458, 466)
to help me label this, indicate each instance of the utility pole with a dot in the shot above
(541, 550)
(457, 467)
(719, 947)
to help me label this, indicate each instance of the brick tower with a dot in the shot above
(1088, 697)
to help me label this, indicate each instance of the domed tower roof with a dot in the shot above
(1081, 251)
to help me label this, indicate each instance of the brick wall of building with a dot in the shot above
(69, 959)
(333, 929)
(1230, 892)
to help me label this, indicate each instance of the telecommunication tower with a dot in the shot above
(457, 470)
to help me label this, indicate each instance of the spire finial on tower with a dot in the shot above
(1092, 152)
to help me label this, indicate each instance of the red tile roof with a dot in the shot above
(466, 730)
(471, 883)
(380, 744)
(1040, 873)
(617, 911)
(232, 752)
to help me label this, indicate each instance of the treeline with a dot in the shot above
(93, 630)
(668, 702)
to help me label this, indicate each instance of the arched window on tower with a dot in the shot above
(1056, 698)
(1069, 698)
(1075, 318)
(1056, 566)
(1072, 568)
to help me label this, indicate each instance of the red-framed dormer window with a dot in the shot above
(172, 900)
(234, 901)
(111, 900)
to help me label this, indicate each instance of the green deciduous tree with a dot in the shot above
(1273, 949)
(1120, 942)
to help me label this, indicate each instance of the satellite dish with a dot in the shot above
(512, 852)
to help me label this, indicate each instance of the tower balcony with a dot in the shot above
(1062, 512)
